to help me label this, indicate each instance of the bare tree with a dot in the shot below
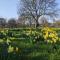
(21, 21)
(2, 22)
(37, 8)
(12, 23)
(57, 23)
(43, 21)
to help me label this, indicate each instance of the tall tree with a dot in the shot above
(37, 8)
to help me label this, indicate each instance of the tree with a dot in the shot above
(2, 22)
(23, 21)
(12, 23)
(57, 23)
(37, 8)
(43, 20)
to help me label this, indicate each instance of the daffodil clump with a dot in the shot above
(49, 35)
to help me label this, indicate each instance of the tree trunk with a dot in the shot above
(36, 24)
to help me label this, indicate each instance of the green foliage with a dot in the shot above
(27, 44)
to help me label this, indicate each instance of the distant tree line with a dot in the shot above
(4, 23)
(22, 22)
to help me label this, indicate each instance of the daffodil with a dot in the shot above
(17, 49)
(49, 35)
(10, 49)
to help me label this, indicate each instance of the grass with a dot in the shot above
(28, 50)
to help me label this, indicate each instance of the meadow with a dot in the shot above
(28, 44)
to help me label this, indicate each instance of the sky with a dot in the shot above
(8, 8)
